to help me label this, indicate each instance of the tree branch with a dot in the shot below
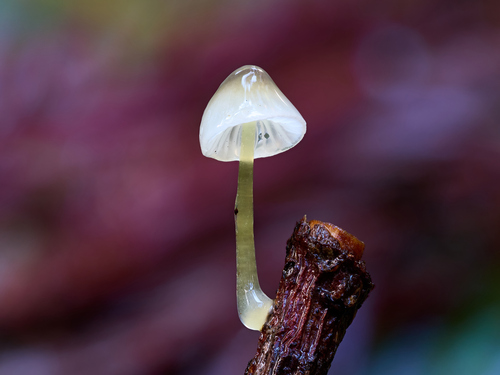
(324, 283)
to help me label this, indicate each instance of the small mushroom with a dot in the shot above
(249, 117)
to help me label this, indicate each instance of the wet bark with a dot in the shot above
(324, 283)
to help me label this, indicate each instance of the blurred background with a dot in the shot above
(117, 249)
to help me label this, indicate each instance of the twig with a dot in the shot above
(324, 283)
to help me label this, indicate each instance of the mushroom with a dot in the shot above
(249, 117)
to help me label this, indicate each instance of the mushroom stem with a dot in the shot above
(253, 304)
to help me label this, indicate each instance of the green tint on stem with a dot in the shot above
(253, 304)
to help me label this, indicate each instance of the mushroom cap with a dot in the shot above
(247, 95)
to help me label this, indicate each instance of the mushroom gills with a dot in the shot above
(253, 304)
(273, 137)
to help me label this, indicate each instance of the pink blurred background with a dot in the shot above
(116, 234)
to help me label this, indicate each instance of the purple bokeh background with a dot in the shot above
(117, 235)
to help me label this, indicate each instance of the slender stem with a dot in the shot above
(253, 304)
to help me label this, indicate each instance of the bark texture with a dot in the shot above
(324, 283)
